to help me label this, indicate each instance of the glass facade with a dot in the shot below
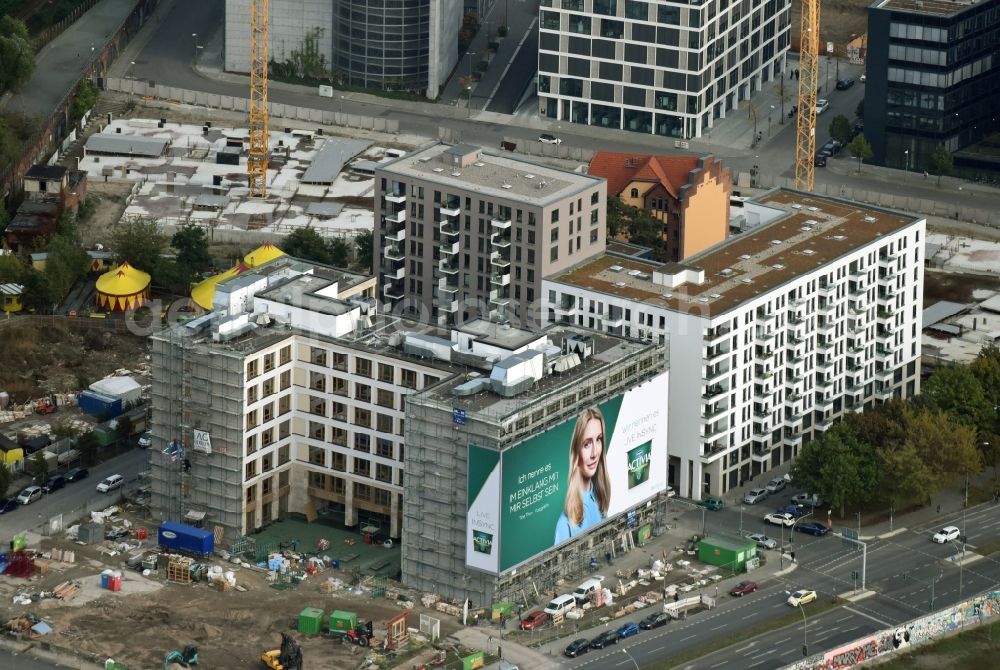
(382, 43)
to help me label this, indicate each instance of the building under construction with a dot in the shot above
(504, 432)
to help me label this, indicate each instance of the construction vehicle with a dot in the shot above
(346, 627)
(45, 406)
(289, 657)
(184, 659)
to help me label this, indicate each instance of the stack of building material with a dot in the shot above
(66, 590)
(179, 569)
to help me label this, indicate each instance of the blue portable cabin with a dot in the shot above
(188, 539)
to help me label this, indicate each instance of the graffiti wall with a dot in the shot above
(984, 608)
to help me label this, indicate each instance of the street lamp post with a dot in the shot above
(634, 662)
(805, 641)
(769, 115)
(741, 519)
(906, 160)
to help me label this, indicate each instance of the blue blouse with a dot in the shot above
(591, 516)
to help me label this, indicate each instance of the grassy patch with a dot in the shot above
(793, 617)
(987, 548)
(975, 648)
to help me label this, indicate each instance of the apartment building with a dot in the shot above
(773, 335)
(933, 78)
(288, 396)
(385, 44)
(665, 68)
(463, 233)
(488, 456)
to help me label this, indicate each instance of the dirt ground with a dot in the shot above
(839, 21)
(38, 357)
(955, 287)
(150, 617)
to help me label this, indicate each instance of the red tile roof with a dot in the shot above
(621, 168)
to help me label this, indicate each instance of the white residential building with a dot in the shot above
(772, 335)
(667, 68)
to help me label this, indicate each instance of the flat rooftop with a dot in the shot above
(934, 7)
(609, 350)
(813, 232)
(492, 175)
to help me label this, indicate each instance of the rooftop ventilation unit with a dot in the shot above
(796, 206)
(456, 173)
(775, 243)
(714, 296)
(778, 266)
(806, 229)
(507, 186)
(424, 159)
(666, 296)
(542, 184)
(616, 268)
(634, 273)
(745, 257)
(642, 275)
(840, 238)
(620, 284)
(438, 169)
(808, 252)
(705, 300)
(810, 222)
(726, 272)
(870, 219)
(529, 176)
(479, 164)
(814, 209)
(746, 281)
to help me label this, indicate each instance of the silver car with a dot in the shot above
(776, 484)
(754, 496)
(763, 541)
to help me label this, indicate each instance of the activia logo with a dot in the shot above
(482, 542)
(169, 534)
(638, 464)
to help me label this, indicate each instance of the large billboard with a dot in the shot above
(564, 482)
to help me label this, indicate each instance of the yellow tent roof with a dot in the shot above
(123, 280)
(203, 293)
(263, 254)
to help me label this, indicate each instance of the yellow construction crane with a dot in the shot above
(805, 127)
(259, 48)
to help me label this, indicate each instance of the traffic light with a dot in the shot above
(805, 650)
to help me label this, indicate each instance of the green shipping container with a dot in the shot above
(501, 610)
(311, 621)
(726, 551)
(341, 621)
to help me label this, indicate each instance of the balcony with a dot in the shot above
(713, 335)
(711, 353)
(795, 318)
(824, 343)
(793, 421)
(396, 197)
(566, 306)
(793, 378)
(824, 364)
(824, 307)
(761, 373)
(824, 425)
(888, 273)
(765, 317)
(824, 403)
(500, 298)
(500, 279)
(500, 223)
(447, 305)
(761, 454)
(715, 431)
(394, 252)
(394, 273)
(500, 240)
(450, 248)
(824, 381)
(764, 352)
(499, 260)
(712, 451)
(883, 391)
(884, 374)
(792, 439)
(828, 290)
(794, 338)
(883, 352)
(714, 373)
(398, 235)
(397, 216)
(765, 335)
(447, 285)
(448, 267)
(393, 290)
(713, 391)
(615, 317)
(856, 288)
(450, 208)
(713, 411)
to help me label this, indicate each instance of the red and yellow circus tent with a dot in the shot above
(203, 293)
(122, 289)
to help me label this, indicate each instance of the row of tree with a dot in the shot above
(906, 451)
(17, 54)
(939, 163)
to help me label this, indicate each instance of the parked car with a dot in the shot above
(810, 499)
(111, 483)
(822, 105)
(655, 621)
(145, 441)
(577, 647)
(862, 78)
(831, 148)
(844, 84)
(776, 484)
(29, 495)
(946, 534)
(754, 496)
(779, 519)
(534, 620)
(628, 629)
(858, 127)
(812, 528)
(794, 510)
(76, 474)
(763, 541)
(606, 638)
(8, 505)
(54, 483)
(712, 503)
(743, 588)
(801, 597)
(819, 160)
(117, 533)
(549, 138)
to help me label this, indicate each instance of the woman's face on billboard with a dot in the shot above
(591, 448)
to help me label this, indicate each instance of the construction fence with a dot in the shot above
(231, 103)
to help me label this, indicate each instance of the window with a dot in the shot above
(251, 445)
(409, 379)
(339, 462)
(268, 362)
(383, 423)
(250, 471)
(286, 354)
(285, 380)
(634, 193)
(251, 419)
(383, 473)
(362, 417)
(317, 356)
(339, 361)
(252, 369)
(251, 394)
(362, 467)
(363, 392)
(386, 373)
(362, 367)
(386, 398)
(362, 442)
(383, 447)
(554, 254)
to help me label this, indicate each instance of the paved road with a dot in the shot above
(77, 497)
(12, 661)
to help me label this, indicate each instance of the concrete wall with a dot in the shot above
(290, 22)
(238, 104)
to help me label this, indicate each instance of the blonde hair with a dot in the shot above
(601, 483)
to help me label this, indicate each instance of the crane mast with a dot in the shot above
(259, 47)
(805, 123)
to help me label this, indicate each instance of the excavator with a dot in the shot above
(181, 659)
(289, 657)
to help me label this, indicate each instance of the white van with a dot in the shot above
(560, 605)
(583, 591)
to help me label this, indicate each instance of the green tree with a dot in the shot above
(66, 264)
(840, 129)
(87, 444)
(173, 277)
(17, 54)
(860, 149)
(38, 466)
(307, 244)
(904, 475)
(954, 389)
(366, 245)
(191, 245)
(5, 480)
(340, 252)
(841, 469)
(38, 293)
(986, 368)
(86, 97)
(946, 445)
(138, 241)
(940, 163)
(617, 217)
(11, 269)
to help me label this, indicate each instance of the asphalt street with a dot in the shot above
(77, 496)
(12, 661)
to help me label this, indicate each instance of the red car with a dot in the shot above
(534, 620)
(743, 588)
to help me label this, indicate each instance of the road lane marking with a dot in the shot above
(720, 626)
(843, 619)
(780, 641)
(720, 663)
(688, 637)
(868, 616)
